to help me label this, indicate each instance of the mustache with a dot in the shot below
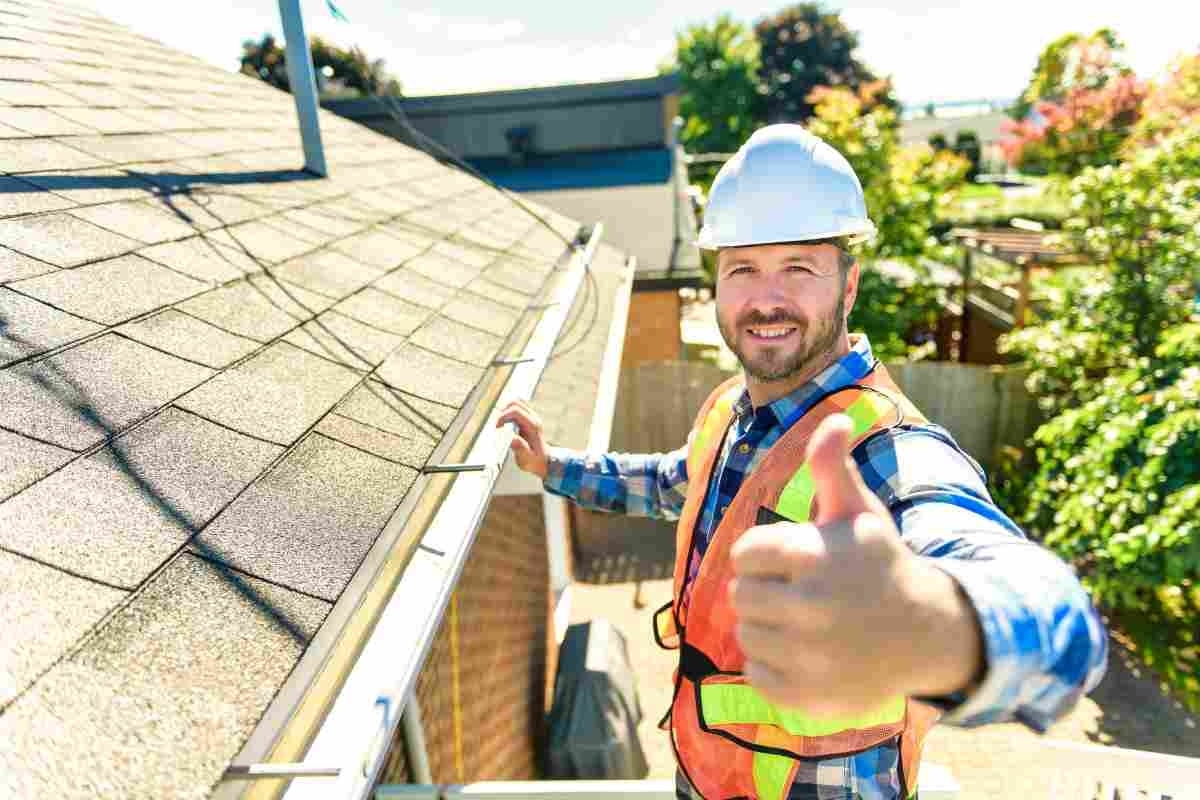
(780, 317)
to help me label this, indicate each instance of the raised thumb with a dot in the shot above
(840, 492)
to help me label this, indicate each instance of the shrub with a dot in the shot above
(1116, 491)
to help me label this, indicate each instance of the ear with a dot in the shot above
(851, 287)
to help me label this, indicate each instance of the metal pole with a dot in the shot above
(415, 751)
(677, 164)
(964, 317)
(303, 82)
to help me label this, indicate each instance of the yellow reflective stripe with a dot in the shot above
(868, 409)
(771, 773)
(795, 501)
(740, 704)
(712, 421)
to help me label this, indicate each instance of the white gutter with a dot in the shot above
(610, 366)
(362, 721)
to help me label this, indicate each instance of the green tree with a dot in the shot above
(1116, 491)
(340, 68)
(1140, 225)
(966, 144)
(1141, 220)
(1072, 61)
(719, 100)
(802, 47)
(905, 187)
(264, 59)
(1172, 104)
(1079, 108)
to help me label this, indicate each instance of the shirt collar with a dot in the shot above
(849, 369)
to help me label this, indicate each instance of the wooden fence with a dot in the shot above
(985, 407)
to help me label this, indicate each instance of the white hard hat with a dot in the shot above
(784, 185)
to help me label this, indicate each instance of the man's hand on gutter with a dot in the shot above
(528, 445)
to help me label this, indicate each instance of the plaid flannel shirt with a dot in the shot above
(1044, 642)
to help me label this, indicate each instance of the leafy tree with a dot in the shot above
(1116, 490)
(1141, 220)
(1114, 485)
(264, 59)
(802, 47)
(938, 141)
(1140, 224)
(719, 100)
(1170, 105)
(966, 144)
(1072, 61)
(350, 69)
(1078, 109)
(1088, 128)
(905, 186)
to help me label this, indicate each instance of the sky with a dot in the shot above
(935, 51)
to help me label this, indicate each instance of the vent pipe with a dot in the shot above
(303, 81)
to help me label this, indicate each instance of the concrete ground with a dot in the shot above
(1126, 710)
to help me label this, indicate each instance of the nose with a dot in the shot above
(769, 295)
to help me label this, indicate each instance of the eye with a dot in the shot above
(802, 268)
(741, 269)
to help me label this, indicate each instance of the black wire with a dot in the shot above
(591, 299)
(587, 330)
(398, 115)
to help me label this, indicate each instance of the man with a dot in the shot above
(842, 576)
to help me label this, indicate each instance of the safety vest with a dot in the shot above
(729, 740)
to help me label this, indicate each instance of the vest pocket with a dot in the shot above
(666, 632)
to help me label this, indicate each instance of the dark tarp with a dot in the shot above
(594, 718)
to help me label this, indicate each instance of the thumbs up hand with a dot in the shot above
(838, 616)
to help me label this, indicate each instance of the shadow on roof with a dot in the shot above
(59, 384)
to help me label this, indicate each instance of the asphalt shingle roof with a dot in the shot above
(219, 378)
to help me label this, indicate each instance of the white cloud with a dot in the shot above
(474, 31)
(979, 51)
(423, 21)
(517, 65)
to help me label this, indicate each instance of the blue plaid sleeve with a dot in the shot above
(638, 485)
(1044, 641)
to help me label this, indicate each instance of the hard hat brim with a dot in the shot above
(858, 234)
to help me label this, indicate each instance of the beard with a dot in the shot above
(775, 363)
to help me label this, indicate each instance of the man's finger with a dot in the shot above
(783, 550)
(840, 491)
(517, 417)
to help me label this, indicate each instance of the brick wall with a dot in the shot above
(498, 622)
(653, 330)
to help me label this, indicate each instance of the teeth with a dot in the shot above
(771, 333)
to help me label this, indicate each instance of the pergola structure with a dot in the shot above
(1023, 248)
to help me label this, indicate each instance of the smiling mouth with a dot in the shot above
(769, 333)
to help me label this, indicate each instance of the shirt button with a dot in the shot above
(722, 510)
(743, 448)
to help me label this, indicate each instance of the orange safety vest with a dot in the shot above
(729, 740)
